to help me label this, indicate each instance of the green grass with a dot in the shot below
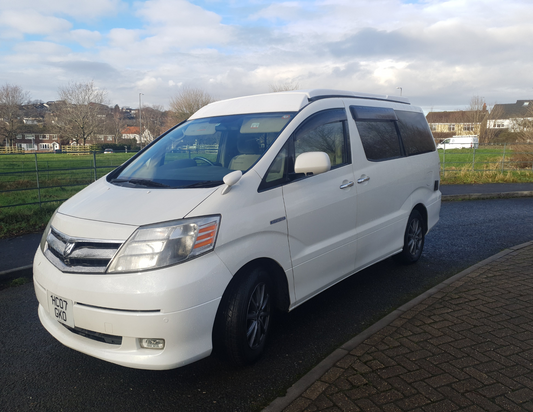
(60, 177)
(461, 167)
(488, 164)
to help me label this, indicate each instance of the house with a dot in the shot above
(37, 142)
(512, 116)
(456, 123)
(132, 132)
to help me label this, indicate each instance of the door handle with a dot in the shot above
(363, 179)
(346, 185)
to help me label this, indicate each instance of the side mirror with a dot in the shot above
(230, 180)
(312, 163)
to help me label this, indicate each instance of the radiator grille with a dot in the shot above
(75, 255)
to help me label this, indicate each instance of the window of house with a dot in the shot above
(451, 128)
(468, 127)
(433, 127)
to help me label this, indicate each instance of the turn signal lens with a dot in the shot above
(166, 244)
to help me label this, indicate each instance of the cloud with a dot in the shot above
(80, 10)
(179, 24)
(16, 23)
(436, 50)
(86, 38)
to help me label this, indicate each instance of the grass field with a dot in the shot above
(487, 164)
(63, 175)
(59, 175)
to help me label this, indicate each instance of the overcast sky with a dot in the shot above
(440, 52)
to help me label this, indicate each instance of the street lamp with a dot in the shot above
(140, 122)
(400, 90)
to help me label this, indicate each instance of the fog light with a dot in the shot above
(153, 343)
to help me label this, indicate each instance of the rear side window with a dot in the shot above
(389, 134)
(415, 132)
(380, 140)
(378, 131)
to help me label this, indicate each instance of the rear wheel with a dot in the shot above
(413, 241)
(246, 317)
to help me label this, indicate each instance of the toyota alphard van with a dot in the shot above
(253, 204)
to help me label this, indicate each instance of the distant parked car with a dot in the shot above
(459, 142)
(108, 151)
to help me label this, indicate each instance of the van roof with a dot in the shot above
(289, 101)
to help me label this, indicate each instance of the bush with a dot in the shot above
(522, 156)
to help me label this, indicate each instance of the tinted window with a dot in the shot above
(415, 132)
(380, 139)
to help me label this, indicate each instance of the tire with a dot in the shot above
(413, 239)
(247, 318)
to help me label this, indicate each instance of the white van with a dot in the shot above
(459, 142)
(254, 203)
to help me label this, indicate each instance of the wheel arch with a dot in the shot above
(420, 208)
(279, 283)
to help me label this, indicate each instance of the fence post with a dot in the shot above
(37, 176)
(474, 159)
(94, 163)
(503, 158)
(444, 159)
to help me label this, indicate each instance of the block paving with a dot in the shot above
(468, 347)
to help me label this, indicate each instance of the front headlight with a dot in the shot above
(46, 232)
(165, 244)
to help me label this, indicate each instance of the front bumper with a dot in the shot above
(178, 304)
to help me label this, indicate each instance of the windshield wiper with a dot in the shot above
(141, 182)
(207, 183)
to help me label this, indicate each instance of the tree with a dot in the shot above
(153, 119)
(524, 125)
(116, 123)
(81, 112)
(284, 87)
(11, 99)
(188, 101)
(479, 115)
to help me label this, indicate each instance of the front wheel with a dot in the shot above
(246, 317)
(413, 240)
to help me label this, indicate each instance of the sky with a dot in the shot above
(437, 53)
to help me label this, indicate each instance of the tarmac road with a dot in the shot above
(38, 373)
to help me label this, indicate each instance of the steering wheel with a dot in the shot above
(204, 159)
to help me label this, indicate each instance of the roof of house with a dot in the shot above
(522, 108)
(131, 130)
(458, 116)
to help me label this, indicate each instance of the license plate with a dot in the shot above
(61, 308)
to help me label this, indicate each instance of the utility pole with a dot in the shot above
(140, 122)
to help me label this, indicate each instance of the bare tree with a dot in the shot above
(284, 87)
(524, 126)
(154, 119)
(479, 115)
(81, 112)
(489, 131)
(188, 101)
(116, 123)
(11, 99)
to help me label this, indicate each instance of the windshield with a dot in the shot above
(199, 153)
